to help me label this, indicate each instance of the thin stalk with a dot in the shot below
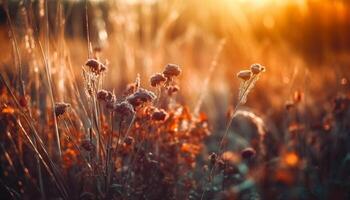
(48, 76)
(69, 137)
(27, 175)
(30, 123)
(87, 28)
(228, 125)
(212, 67)
(120, 132)
(41, 180)
(59, 186)
(20, 70)
(109, 148)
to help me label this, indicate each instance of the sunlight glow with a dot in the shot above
(261, 3)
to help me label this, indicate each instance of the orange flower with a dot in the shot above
(284, 176)
(69, 157)
(190, 148)
(8, 110)
(291, 159)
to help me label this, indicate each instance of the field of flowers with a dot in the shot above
(169, 99)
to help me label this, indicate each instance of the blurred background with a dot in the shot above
(304, 44)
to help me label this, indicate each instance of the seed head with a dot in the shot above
(124, 108)
(102, 95)
(107, 97)
(171, 70)
(110, 96)
(159, 115)
(61, 108)
(87, 145)
(130, 89)
(244, 74)
(213, 157)
(23, 101)
(157, 79)
(129, 140)
(248, 153)
(257, 68)
(95, 66)
(140, 97)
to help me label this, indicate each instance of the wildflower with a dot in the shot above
(140, 97)
(107, 97)
(157, 79)
(257, 68)
(248, 153)
(213, 157)
(159, 115)
(110, 96)
(133, 87)
(7, 110)
(102, 95)
(87, 145)
(291, 159)
(95, 66)
(130, 89)
(129, 140)
(110, 105)
(69, 158)
(23, 101)
(244, 74)
(246, 86)
(190, 148)
(124, 108)
(61, 108)
(230, 157)
(171, 70)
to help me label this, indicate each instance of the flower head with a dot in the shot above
(257, 68)
(102, 95)
(140, 97)
(213, 157)
(171, 70)
(157, 79)
(248, 153)
(159, 115)
(129, 140)
(95, 66)
(244, 74)
(124, 108)
(87, 145)
(61, 108)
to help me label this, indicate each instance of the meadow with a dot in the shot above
(171, 99)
